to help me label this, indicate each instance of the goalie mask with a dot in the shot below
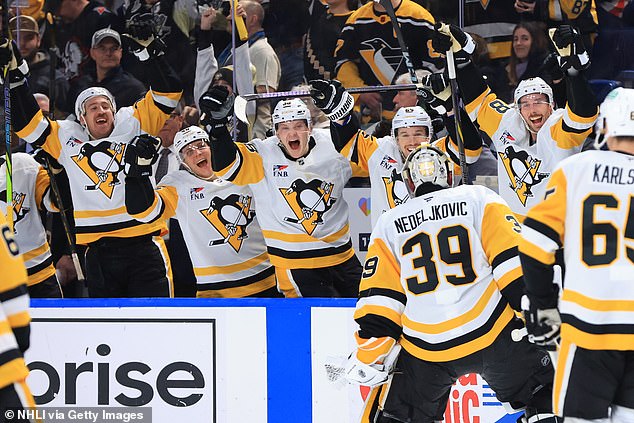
(427, 165)
(616, 116)
(291, 109)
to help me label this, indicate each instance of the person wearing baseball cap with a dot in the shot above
(26, 32)
(106, 71)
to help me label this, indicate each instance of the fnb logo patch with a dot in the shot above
(506, 137)
(280, 171)
(196, 193)
(387, 162)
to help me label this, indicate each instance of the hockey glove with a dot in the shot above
(377, 372)
(141, 154)
(47, 161)
(543, 325)
(450, 37)
(573, 56)
(441, 99)
(216, 106)
(332, 98)
(142, 32)
(10, 57)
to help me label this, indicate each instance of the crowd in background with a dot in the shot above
(80, 43)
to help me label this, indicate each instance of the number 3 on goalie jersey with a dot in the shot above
(424, 248)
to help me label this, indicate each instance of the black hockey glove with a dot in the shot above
(543, 325)
(439, 86)
(10, 56)
(216, 107)
(47, 161)
(140, 155)
(332, 98)
(573, 56)
(450, 37)
(142, 31)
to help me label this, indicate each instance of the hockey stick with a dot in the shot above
(425, 95)
(7, 117)
(453, 83)
(240, 102)
(53, 53)
(311, 210)
(65, 224)
(235, 222)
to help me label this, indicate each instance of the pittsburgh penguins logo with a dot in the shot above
(230, 217)
(102, 164)
(395, 189)
(383, 59)
(19, 209)
(523, 171)
(309, 201)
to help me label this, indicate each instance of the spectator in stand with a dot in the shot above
(286, 24)
(528, 54)
(368, 53)
(80, 20)
(321, 39)
(25, 30)
(106, 71)
(553, 13)
(177, 21)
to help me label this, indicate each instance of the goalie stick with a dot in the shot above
(453, 83)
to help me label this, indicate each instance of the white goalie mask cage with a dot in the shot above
(427, 165)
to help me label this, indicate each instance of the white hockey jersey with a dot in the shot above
(439, 266)
(589, 210)
(95, 167)
(30, 195)
(524, 169)
(382, 160)
(223, 236)
(301, 209)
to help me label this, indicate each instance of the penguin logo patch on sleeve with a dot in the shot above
(19, 209)
(309, 201)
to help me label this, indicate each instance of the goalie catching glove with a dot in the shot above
(10, 57)
(332, 98)
(141, 154)
(373, 361)
(573, 56)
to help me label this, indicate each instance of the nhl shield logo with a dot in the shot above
(309, 201)
(102, 164)
(230, 217)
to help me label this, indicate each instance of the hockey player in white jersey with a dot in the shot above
(125, 258)
(297, 179)
(382, 159)
(31, 195)
(442, 280)
(588, 209)
(218, 219)
(531, 136)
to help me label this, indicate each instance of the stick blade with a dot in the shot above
(240, 109)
